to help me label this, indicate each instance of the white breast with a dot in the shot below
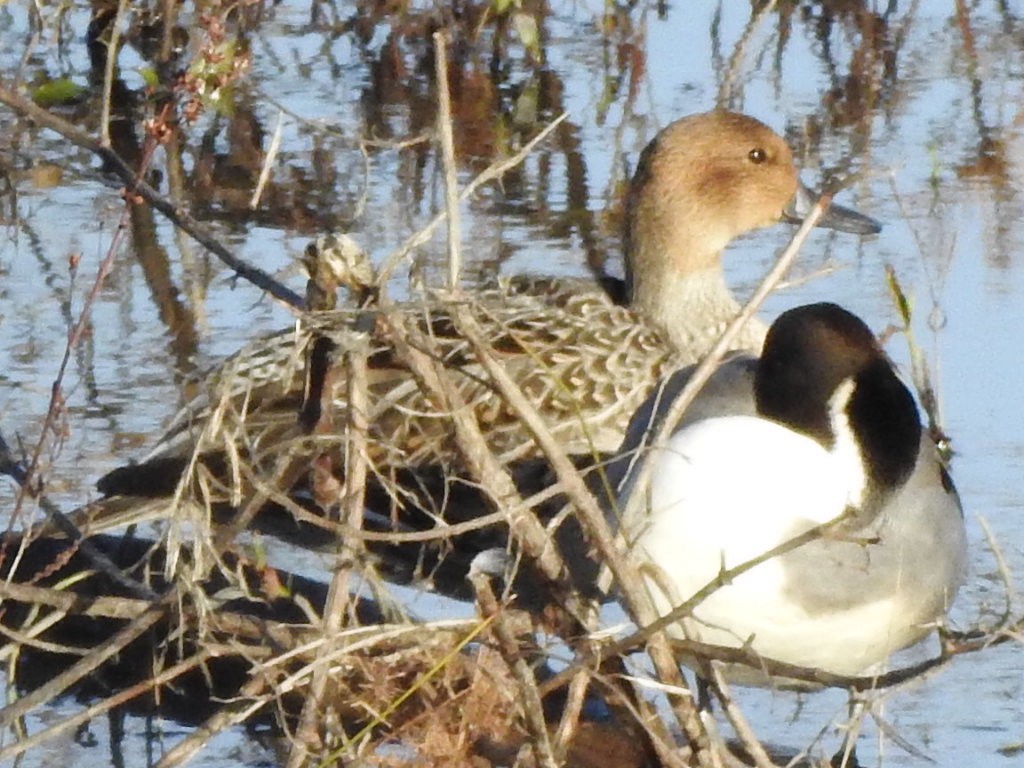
(724, 491)
(734, 487)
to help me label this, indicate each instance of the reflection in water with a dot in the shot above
(932, 117)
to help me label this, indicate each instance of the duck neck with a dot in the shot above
(691, 308)
(846, 449)
(881, 451)
(888, 426)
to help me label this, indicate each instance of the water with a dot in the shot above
(931, 114)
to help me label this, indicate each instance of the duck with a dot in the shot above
(585, 355)
(817, 442)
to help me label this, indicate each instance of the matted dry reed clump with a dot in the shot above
(252, 659)
(467, 708)
(237, 476)
(349, 681)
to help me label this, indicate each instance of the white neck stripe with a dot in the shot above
(845, 446)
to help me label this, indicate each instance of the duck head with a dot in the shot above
(823, 373)
(703, 181)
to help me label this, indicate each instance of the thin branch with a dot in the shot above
(180, 218)
(84, 666)
(451, 181)
(494, 171)
(636, 597)
(529, 699)
(106, 705)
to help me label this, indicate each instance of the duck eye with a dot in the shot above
(757, 155)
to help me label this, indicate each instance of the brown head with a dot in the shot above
(701, 182)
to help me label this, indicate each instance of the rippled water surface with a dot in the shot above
(924, 103)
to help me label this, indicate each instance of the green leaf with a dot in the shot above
(149, 77)
(903, 305)
(529, 36)
(57, 92)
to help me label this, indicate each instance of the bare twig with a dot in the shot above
(451, 181)
(529, 699)
(81, 138)
(494, 171)
(22, 475)
(83, 667)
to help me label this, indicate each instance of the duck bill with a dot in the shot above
(835, 217)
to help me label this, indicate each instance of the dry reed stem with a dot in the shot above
(568, 724)
(288, 467)
(451, 180)
(237, 625)
(251, 699)
(593, 519)
(529, 697)
(494, 171)
(106, 705)
(735, 716)
(88, 663)
(483, 467)
(351, 551)
(814, 677)
(69, 603)
(28, 636)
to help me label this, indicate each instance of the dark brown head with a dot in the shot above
(822, 372)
